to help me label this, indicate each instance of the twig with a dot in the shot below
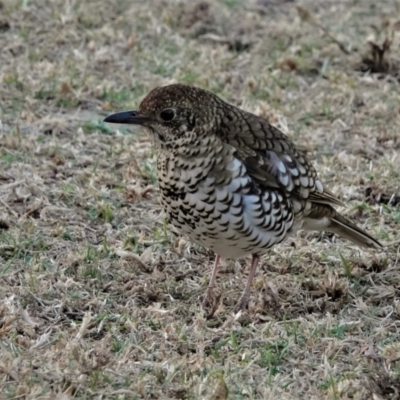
(307, 16)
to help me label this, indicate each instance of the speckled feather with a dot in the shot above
(231, 181)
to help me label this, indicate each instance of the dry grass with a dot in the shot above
(98, 297)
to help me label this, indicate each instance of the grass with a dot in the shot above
(99, 297)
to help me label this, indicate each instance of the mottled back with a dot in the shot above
(271, 157)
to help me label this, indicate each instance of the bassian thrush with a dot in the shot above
(231, 181)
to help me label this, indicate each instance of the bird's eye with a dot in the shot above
(167, 115)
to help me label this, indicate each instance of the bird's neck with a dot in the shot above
(189, 152)
(191, 146)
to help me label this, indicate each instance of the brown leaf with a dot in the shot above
(304, 14)
(221, 391)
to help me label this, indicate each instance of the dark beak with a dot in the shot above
(127, 117)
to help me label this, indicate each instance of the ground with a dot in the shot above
(99, 298)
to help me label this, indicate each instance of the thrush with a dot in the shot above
(231, 181)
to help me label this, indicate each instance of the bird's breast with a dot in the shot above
(217, 205)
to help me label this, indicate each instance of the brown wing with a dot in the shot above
(272, 159)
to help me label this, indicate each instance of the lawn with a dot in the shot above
(99, 297)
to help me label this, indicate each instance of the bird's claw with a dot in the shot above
(210, 302)
(242, 304)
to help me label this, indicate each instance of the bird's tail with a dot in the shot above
(336, 223)
(346, 229)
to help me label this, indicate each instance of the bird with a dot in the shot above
(231, 181)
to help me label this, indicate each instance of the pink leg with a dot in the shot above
(244, 298)
(209, 295)
(211, 284)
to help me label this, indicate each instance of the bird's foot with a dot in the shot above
(243, 303)
(210, 302)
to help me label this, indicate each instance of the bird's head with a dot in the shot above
(174, 112)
